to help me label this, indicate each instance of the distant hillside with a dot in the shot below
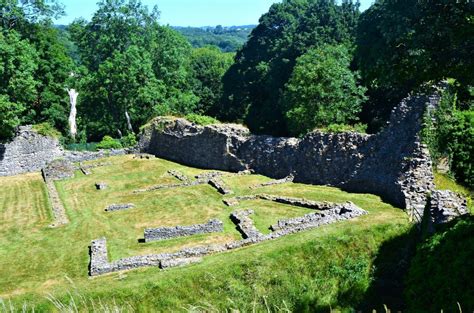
(227, 38)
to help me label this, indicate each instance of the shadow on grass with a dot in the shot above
(390, 268)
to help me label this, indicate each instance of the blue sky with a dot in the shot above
(190, 12)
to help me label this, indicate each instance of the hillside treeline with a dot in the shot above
(307, 64)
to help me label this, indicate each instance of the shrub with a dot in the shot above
(201, 119)
(46, 129)
(461, 146)
(129, 141)
(109, 143)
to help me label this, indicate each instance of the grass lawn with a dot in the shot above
(328, 266)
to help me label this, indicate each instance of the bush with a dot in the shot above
(201, 119)
(109, 143)
(46, 129)
(461, 146)
(129, 141)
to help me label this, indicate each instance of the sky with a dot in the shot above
(189, 12)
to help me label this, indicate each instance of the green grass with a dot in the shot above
(328, 266)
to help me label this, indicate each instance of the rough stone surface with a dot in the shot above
(82, 156)
(28, 152)
(178, 175)
(146, 156)
(220, 186)
(101, 186)
(393, 163)
(163, 233)
(301, 202)
(100, 265)
(446, 205)
(119, 207)
(58, 169)
(336, 213)
(245, 224)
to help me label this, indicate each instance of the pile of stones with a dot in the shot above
(245, 224)
(446, 206)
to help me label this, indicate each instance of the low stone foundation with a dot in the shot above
(178, 175)
(220, 186)
(119, 207)
(100, 265)
(163, 233)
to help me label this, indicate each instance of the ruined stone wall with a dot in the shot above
(393, 163)
(28, 152)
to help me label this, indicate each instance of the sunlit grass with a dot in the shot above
(36, 260)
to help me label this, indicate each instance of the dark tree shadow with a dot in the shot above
(390, 268)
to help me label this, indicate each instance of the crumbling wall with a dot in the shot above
(393, 163)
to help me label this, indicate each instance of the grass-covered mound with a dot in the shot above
(331, 266)
(441, 273)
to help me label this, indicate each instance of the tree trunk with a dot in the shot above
(73, 94)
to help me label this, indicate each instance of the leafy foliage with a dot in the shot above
(201, 119)
(254, 85)
(208, 66)
(9, 120)
(46, 129)
(403, 44)
(109, 143)
(322, 90)
(227, 39)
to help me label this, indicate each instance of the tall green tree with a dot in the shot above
(254, 85)
(322, 90)
(209, 65)
(9, 117)
(403, 44)
(124, 86)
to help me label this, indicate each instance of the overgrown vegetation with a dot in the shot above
(46, 129)
(201, 119)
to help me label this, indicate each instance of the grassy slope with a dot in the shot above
(331, 265)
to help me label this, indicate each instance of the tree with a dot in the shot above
(171, 55)
(322, 90)
(208, 66)
(9, 117)
(254, 85)
(124, 84)
(18, 64)
(403, 44)
(15, 14)
(115, 26)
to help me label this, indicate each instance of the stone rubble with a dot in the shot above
(119, 207)
(446, 205)
(220, 186)
(178, 175)
(142, 156)
(164, 233)
(245, 224)
(393, 163)
(100, 265)
(101, 186)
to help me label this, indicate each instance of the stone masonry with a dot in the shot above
(163, 233)
(100, 265)
(392, 163)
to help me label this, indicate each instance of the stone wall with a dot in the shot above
(393, 163)
(163, 233)
(28, 152)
